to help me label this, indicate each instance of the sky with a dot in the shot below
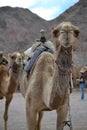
(46, 9)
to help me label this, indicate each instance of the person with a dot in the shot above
(82, 84)
(36, 49)
(42, 38)
(3, 59)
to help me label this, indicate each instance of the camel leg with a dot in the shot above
(40, 115)
(61, 116)
(8, 101)
(31, 116)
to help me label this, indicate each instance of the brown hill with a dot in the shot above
(19, 28)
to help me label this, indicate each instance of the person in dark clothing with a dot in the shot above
(82, 85)
(42, 38)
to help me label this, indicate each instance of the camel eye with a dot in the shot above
(62, 31)
(71, 31)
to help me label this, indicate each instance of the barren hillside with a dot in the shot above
(19, 28)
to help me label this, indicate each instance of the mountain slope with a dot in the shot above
(18, 28)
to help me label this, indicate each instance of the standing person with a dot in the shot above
(82, 85)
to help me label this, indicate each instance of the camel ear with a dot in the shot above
(23, 55)
(55, 31)
(76, 31)
(12, 56)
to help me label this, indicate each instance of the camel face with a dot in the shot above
(16, 58)
(66, 34)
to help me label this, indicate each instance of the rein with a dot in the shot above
(64, 72)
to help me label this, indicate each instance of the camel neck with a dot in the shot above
(64, 60)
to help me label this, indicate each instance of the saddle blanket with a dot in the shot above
(37, 52)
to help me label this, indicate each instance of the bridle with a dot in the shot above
(62, 72)
(14, 67)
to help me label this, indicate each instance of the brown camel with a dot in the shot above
(9, 81)
(48, 85)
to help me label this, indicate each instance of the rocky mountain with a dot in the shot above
(19, 28)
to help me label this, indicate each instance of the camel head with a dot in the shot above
(15, 60)
(65, 34)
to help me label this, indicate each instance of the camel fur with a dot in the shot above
(48, 85)
(9, 81)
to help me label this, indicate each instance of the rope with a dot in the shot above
(68, 122)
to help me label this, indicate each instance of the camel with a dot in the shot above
(9, 81)
(47, 87)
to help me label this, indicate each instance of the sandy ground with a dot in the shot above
(17, 119)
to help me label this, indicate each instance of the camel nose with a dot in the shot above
(67, 36)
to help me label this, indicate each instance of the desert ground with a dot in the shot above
(17, 116)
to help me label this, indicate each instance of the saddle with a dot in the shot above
(35, 56)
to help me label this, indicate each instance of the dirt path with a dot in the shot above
(17, 119)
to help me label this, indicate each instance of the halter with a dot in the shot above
(14, 69)
(62, 72)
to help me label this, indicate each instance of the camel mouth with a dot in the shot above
(15, 67)
(67, 45)
(16, 64)
(66, 42)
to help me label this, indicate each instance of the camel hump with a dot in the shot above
(45, 63)
(45, 58)
(43, 73)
